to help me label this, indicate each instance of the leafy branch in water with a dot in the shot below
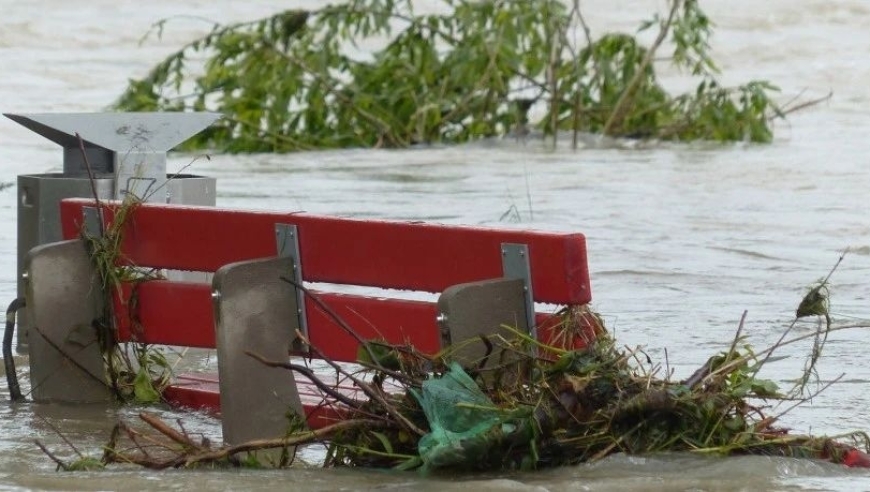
(470, 70)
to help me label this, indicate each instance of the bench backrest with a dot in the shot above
(487, 279)
(390, 255)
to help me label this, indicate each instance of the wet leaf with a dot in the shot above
(143, 388)
(814, 303)
(765, 388)
(384, 442)
(384, 355)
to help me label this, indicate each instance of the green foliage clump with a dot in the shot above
(472, 69)
(86, 463)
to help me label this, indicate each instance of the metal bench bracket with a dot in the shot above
(515, 264)
(287, 242)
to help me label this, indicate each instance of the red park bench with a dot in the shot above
(486, 277)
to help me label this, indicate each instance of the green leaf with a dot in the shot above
(143, 388)
(250, 460)
(384, 441)
(764, 388)
(384, 355)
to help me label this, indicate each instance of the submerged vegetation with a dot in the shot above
(462, 70)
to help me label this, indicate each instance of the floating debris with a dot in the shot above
(526, 405)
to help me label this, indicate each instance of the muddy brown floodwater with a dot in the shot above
(682, 238)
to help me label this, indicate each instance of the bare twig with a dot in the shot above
(366, 388)
(135, 436)
(836, 265)
(111, 447)
(332, 314)
(60, 463)
(810, 397)
(93, 181)
(198, 455)
(552, 76)
(60, 434)
(175, 175)
(167, 431)
(668, 372)
(737, 335)
(785, 110)
(296, 439)
(578, 12)
(308, 373)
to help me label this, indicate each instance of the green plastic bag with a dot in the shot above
(463, 421)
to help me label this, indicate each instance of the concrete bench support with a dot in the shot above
(64, 298)
(255, 311)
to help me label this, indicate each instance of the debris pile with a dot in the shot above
(527, 405)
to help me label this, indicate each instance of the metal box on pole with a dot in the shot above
(126, 153)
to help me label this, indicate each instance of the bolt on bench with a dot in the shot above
(486, 278)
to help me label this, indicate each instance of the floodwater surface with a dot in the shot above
(682, 238)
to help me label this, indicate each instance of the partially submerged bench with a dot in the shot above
(485, 277)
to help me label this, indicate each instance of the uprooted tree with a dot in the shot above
(466, 70)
